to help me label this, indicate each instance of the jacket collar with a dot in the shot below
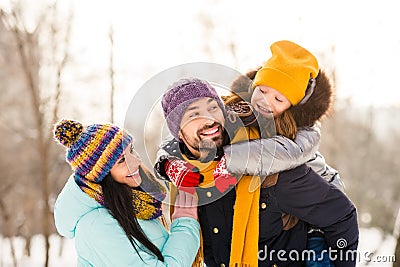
(178, 149)
(71, 205)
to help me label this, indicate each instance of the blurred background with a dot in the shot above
(86, 59)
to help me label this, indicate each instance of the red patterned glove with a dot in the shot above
(222, 178)
(182, 174)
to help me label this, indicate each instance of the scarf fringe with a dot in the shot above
(242, 265)
(199, 260)
(245, 228)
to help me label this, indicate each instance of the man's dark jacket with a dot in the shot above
(297, 197)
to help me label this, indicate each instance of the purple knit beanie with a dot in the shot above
(180, 95)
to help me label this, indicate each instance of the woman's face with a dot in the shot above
(268, 101)
(126, 169)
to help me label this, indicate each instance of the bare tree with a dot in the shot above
(7, 221)
(112, 72)
(215, 43)
(44, 100)
(396, 234)
(354, 142)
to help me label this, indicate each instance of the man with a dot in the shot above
(196, 118)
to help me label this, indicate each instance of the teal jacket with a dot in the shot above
(100, 241)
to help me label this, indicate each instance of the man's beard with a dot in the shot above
(209, 148)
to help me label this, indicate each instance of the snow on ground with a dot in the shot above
(371, 241)
(66, 259)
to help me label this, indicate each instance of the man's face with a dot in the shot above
(202, 126)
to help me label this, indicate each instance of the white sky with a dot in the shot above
(151, 36)
(161, 34)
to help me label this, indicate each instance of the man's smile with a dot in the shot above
(212, 132)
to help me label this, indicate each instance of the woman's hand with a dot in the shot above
(185, 206)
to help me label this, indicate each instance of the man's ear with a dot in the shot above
(180, 135)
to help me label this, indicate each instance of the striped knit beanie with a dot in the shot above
(93, 150)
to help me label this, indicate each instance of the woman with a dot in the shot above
(111, 204)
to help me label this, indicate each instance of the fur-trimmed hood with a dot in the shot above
(317, 106)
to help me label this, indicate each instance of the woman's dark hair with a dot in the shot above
(118, 200)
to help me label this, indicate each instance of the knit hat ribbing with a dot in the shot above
(180, 95)
(91, 151)
(288, 70)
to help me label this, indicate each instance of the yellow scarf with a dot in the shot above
(244, 245)
(206, 169)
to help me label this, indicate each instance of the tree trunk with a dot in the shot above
(47, 218)
(61, 248)
(12, 249)
(28, 246)
(396, 234)
(112, 73)
(29, 51)
(397, 253)
(8, 231)
(42, 145)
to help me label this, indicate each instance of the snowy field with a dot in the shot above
(373, 245)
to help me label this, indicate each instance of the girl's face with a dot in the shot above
(268, 101)
(126, 169)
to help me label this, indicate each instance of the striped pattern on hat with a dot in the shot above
(92, 151)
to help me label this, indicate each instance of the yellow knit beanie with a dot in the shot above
(288, 70)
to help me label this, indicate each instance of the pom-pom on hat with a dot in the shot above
(93, 150)
(180, 95)
(288, 70)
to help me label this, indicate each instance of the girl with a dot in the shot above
(269, 94)
(291, 91)
(111, 204)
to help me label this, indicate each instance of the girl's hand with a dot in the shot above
(182, 174)
(223, 179)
